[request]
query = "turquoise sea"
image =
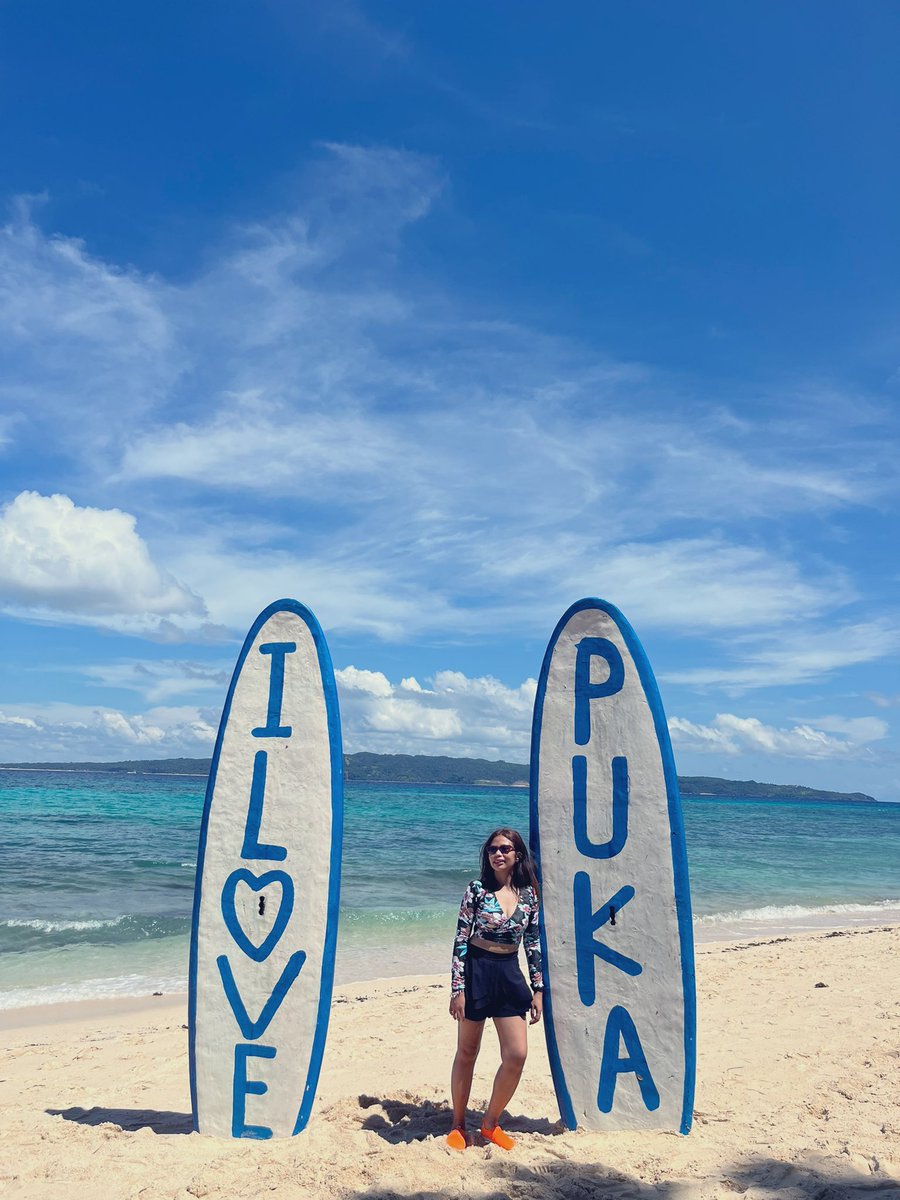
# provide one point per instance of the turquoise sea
(97, 877)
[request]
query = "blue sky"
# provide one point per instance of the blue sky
(439, 319)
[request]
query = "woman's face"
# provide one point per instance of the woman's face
(501, 853)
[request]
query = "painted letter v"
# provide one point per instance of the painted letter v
(251, 1030)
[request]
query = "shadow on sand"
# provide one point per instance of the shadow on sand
(400, 1121)
(129, 1119)
(769, 1178)
(817, 1177)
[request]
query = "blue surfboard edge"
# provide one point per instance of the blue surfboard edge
(679, 858)
(326, 983)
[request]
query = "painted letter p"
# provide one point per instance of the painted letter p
(590, 648)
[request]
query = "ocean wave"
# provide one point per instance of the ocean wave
(149, 863)
(60, 925)
(91, 989)
(781, 912)
(397, 916)
(24, 935)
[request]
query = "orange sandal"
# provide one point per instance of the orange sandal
(498, 1137)
(456, 1139)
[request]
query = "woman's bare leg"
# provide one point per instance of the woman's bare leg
(468, 1043)
(513, 1034)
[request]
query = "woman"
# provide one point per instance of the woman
(498, 911)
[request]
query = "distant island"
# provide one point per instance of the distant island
(705, 785)
(465, 772)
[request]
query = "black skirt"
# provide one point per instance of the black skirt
(495, 986)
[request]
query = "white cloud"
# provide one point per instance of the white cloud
(158, 680)
(21, 722)
(487, 691)
(723, 469)
(456, 715)
(86, 345)
(371, 683)
(92, 565)
(308, 454)
(793, 655)
(707, 583)
(405, 717)
(857, 729)
(8, 421)
(57, 559)
(704, 738)
(733, 735)
(91, 300)
(61, 732)
(801, 741)
(382, 184)
(303, 415)
(346, 595)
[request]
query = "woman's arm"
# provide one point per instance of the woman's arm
(461, 941)
(531, 939)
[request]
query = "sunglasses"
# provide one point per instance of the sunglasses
(492, 850)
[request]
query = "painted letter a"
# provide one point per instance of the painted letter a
(620, 1026)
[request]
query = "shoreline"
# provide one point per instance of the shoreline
(170, 1003)
(359, 964)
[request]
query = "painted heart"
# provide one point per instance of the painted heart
(259, 953)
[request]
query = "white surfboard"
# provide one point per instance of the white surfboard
(608, 838)
(268, 882)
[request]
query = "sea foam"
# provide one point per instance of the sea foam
(91, 989)
(780, 912)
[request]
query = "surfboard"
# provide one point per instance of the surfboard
(267, 890)
(608, 839)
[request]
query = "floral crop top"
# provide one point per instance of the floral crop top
(480, 915)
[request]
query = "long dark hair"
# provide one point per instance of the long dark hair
(523, 874)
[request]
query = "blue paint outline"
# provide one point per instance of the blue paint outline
(253, 848)
(256, 883)
(326, 983)
(587, 948)
(279, 652)
(620, 791)
(586, 651)
(252, 1030)
(679, 858)
(621, 1028)
(248, 1087)
(329, 949)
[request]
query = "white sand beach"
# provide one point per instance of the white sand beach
(798, 1090)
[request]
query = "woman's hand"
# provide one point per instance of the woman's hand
(537, 1007)
(458, 1006)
